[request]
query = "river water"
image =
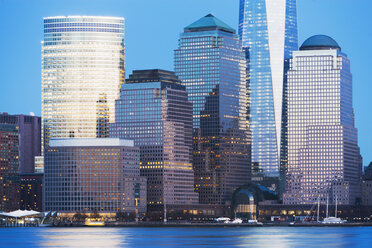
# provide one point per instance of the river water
(187, 237)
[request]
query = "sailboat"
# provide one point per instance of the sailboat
(332, 219)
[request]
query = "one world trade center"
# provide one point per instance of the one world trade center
(268, 29)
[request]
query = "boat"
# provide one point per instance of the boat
(255, 222)
(43, 223)
(333, 219)
(222, 219)
(234, 221)
(237, 221)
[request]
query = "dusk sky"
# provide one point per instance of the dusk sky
(152, 31)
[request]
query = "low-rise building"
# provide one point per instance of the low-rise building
(93, 175)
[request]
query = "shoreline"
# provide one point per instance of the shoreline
(223, 225)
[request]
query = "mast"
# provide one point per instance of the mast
(336, 208)
(327, 207)
(165, 208)
(317, 217)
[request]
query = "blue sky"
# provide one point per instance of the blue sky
(152, 30)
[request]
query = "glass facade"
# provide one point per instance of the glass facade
(211, 65)
(19, 144)
(154, 111)
(93, 175)
(10, 180)
(82, 70)
(323, 153)
(268, 30)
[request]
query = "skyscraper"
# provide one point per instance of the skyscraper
(268, 29)
(153, 110)
(9, 164)
(20, 137)
(82, 70)
(323, 154)
(211, 64)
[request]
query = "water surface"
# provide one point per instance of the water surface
(187, 237)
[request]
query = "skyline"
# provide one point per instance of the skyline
(21, 25)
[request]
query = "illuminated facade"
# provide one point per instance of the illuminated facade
(268, 29)
(89, 175)
(9, 165)
(82, 70)
(32, 192)
(323, 154)
(211, 64)
(153, 110)
(20, 137)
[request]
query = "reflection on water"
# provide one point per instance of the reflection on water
(183, 237)
(82, 237)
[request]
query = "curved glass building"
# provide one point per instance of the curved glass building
(82, 70)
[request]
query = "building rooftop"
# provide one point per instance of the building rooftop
(154, 75)
(90, 142)
(209, 22)
(78, 16)
(320, 42)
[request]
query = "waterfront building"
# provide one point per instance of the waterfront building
(367, 192)
(93, 175)
(367, 186)
(211, 64)
(9, 165)
(20, 137)
(247, 198)
(268, 30)
(29, 134)
(367, 175)
(154, 111)
(323, 155)
(82, 70)
(31, 193)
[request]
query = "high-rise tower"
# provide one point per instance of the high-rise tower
(211, 64)
(154, 111)
(82, 70)
(323, 155)
(268, 29)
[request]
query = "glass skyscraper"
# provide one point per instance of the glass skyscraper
(82, 70)
(268, 30)
(211, 64)
(154, 111)
(323, 155)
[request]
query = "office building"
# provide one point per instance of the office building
(82, 70)
(211, 64)
(93, 175)
(153, 110)
(29, 133)
(367, 175)
(268, 30)
(20, 137)
(323, 155)
(9, 165)
(31, 193)
(367, 186)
